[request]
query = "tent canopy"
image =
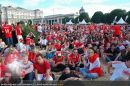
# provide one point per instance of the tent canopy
(121, 21)
(83, 22)
(70, 22)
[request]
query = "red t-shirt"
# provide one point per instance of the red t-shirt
(32, 41)
(42, 69)
(61, 59)
(74, 59)
(32, 57)
(77, 44)
(58, 46)
(2, 70)
(18, 30)
(7, 29)
(27, 41)
(59, 38)
(48, 38)
(117, 30)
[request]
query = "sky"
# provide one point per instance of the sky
(51, 7)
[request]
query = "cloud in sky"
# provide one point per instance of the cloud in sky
(51, 7)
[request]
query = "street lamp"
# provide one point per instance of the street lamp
(0, 17)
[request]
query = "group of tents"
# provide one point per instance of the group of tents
(83, 22)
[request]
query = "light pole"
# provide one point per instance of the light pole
(0, 23)
(0, 17)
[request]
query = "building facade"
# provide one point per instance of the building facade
(54, 18)
(57, 18)
(51, 19)
(16, 14)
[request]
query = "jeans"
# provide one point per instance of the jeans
(88, 75)
(9, 41)
(1, 49)
(29, 76)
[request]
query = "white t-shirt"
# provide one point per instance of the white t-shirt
(40, 29)
(21, 47)
(2, 44)
(118, 71)
(43, 41)
(126, 42)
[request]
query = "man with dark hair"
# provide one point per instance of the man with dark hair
(18, 31)
(42, 68)
(112, 53)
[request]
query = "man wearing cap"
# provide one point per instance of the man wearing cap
(58, 62)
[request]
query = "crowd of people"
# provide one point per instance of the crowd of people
(65, 52)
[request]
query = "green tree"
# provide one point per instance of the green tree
(29, 22)
(76, 20)
(97, 17)
(116, 12)
(105, 18)
(84, 16)
(66, 19)
(128, 20)
(22, 22)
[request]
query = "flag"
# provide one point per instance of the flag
(114, 21)
(126, 17)
(78, 19)
(115, 18)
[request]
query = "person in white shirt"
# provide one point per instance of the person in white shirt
(43, 42)
(39, 29)
(26, 68)
(121, 70)
(2, 45)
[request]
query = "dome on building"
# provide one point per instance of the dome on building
(82, 10)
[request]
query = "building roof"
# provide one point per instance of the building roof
(82, 10)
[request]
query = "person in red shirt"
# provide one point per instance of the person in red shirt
(42, 68)
(5, 75)
(18, 31)
(58, 46)
(7, 30)
(2, 69)
(58, 62)
(74, 60)
(32, 56)
(30, 43)
(117, 30)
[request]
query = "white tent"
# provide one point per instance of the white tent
(121, 21)
(83, 22)
(70, 22)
